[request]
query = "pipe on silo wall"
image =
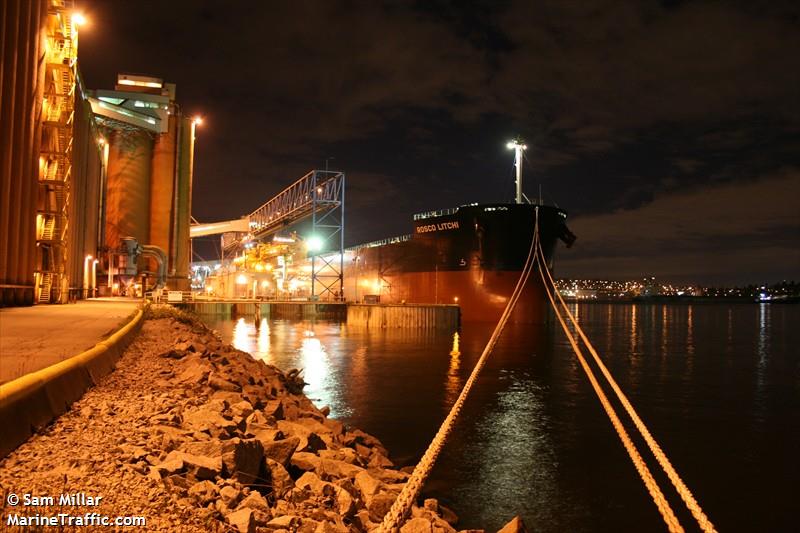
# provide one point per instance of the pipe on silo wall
(10, 29)
(21, 150)
(161, 189)
(86, 175)
(128, 186)
(184, 202)
(34, 93)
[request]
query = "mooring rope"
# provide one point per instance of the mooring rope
(402, 505)
(684, 492)
(647, 477)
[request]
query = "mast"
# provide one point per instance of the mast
(518, 146)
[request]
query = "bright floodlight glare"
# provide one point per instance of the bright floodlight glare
(314, 243)
(511, 145)
(198, 120)
(78, 19)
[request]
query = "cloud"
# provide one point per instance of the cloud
(734, 232)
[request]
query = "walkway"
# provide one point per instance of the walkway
(32, 338)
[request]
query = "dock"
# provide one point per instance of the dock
(423, 316)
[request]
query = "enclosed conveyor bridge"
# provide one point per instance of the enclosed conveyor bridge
(318, 195)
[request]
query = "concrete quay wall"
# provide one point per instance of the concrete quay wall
(426, 316)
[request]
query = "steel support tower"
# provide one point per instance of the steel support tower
(327, 225)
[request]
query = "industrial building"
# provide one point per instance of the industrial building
(95, 186)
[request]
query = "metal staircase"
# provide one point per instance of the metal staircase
(58, 110)
(45, 288)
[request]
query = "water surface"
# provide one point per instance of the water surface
(718, 385)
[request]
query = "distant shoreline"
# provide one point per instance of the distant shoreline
(682, 299)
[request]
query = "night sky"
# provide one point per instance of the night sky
(670, 131)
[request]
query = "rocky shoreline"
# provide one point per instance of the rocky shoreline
(195, 435)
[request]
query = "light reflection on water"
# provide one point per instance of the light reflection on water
(719, 386)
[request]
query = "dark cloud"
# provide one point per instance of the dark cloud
(620, 102)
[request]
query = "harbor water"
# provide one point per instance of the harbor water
(718, 385)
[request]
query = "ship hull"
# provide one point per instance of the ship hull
(472, 257)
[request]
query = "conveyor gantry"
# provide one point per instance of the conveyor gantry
(319, 195)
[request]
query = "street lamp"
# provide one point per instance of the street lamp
(518, 146)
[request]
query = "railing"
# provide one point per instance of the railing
(437, 213)
(381, 242)
(314, 190)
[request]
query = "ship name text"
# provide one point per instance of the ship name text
(437, 227)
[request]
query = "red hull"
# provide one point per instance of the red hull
(482, 295)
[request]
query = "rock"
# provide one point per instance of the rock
(285, 522)
(516, 525)
(279, 450)
(203, 492)
(280, 479)
(274, 408)
(379, 460)
(417, 525)
(367, 485)
(195, 370)
(431, 504)
(207, 419)
(228, 397)
(197, 466)
(311, 481)
(311, 443)
(345, 503)
(380, 504)
(208, 448)
(348, 455)
(229, 495)
(338, 469)
(254, 501)
(389, 476)
(305, 461)
(171, 466)
(326, 526)
(242, 408)
(215, 381)
(173, 354)
(242, 459)
(242, 520)
(362, 522)
(309, 525)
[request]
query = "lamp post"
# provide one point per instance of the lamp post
(86, 276)
(94, 278)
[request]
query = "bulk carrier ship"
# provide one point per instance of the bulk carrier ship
(471, 255)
